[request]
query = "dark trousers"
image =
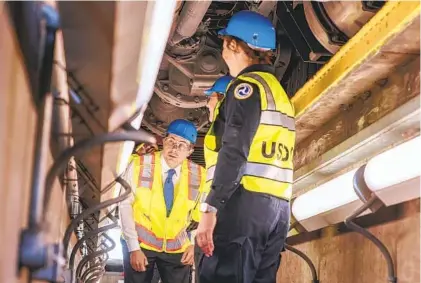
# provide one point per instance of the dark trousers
(249, 236)
(170, 268)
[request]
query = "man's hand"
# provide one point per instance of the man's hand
(204, 234)
(188, 256)
(138, 261)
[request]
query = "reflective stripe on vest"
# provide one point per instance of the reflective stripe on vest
(178, 242)
(271, 172)
(260, 170)
(147, 171)
(270, 116)
(195, 178)
(148, 237)
(210, 172)
(277, 119)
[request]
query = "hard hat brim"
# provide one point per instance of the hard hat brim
(223, 32)
(208, 92)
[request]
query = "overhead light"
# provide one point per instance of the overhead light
(393, 176)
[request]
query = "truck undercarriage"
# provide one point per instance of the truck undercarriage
(351, 69)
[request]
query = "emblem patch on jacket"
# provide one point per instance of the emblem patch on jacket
(243, 91)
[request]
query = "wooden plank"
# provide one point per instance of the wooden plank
(350, 258)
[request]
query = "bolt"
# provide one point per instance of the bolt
(179, 95)
(345, 107)
(165, 87)
(382, 82)
(159, 123)
(366, 95)
(151, 116)
(196, 99)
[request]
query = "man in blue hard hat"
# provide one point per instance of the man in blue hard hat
(155, 219)
(216, 93)
(248, 153)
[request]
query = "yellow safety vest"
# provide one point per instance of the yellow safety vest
(210, 149)
(269, 167)
(155, 230)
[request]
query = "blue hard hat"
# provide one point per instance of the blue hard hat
(252, 28)
(184, 129)
(220, 86)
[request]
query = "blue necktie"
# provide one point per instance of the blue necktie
(169, 191)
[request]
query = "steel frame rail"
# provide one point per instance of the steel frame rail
(390, 20)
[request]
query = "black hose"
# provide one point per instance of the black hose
(78, 244)
(93, 279)
(84, 238)
(93, 209)
(351, 225)
(84, 145)
(91, 234)
(94, 275)
(86, 259)
(92, 265)
(88, 271)
(306, 259)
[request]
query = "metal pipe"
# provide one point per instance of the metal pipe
(189, 20)
(265, 7)
(94, 255)
(44, 121)
(42, 143)
(306, 259)
(93, 209)
(351, 225)
(84, 145)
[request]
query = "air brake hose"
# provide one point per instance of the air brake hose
(83, 146)
(306, 259)
(92, 276)
(86, 275)
(351, 225)
(93, 209)
(86, 259)
(84, 238)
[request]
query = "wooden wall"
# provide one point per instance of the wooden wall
(17, 132)
(350, 258)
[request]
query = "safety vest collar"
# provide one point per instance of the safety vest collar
(258, 68)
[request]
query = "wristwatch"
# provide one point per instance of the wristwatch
(205, 208)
